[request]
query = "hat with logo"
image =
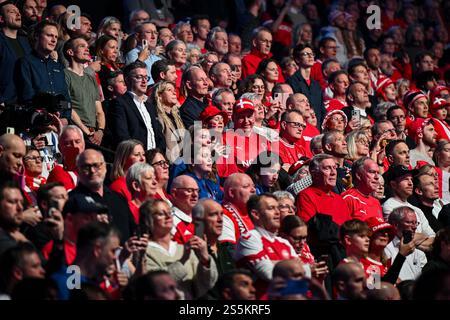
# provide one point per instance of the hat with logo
(377, 224)
(242, 105)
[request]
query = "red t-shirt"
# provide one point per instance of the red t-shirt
(120, 186)
(316, 74)
(67, 178)
(313, 200)
(362, 207)
(372, 268)
(289, 153)
(251, 61)
(334, 104)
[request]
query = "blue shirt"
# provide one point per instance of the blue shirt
(133, 55)
(60, 278)
(208, 188)
(36, 74)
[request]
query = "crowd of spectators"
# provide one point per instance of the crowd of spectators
(268, 150)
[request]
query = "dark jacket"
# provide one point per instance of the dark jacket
(312, 92)
(126, 122)
(35, 74)
(8, 58)
(190, 110)
(119, 213)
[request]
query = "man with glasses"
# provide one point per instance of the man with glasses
(147, 38)
(91, 168)
(184, 191)
(302, 82)
(291, 143)
(260, 50)
(404, 219)
(397, 116)
(132, 116)
(366, 177)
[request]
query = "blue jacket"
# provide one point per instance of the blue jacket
(35, 74)
(207, 188)
(8, 59)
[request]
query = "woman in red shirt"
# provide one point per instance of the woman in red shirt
(159, 162)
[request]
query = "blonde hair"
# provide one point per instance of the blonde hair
(157, 99)
(351, 140)
(123, 152)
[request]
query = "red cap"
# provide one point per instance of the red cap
(439, 103)
(212, 111)
(296, 166)
(376, 224)
(242, 105)
(329, 114)
(417, 126)
(383, 83)
(436, 91)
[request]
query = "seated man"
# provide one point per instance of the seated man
(261, 248)
(334, 144)
(349, 281)
(404, 219)
(237, 285)
(237, 191)
(366, 178)
(424, 135)
(319, 198)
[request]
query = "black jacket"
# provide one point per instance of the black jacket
(312, 92)
(126, 122)
(190, 110)
(119, 213)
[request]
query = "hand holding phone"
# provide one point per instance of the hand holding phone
(407, 236)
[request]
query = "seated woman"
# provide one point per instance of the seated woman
(335, 120)
(202, 170)
(295, 231)
(357, 145)
(128, 153)
(268, 69)
(265, 171)
(191, 266)
(286, 203)
(159, 162)
(32, 162)
(164, 98)
(141, 182)
(214, 119)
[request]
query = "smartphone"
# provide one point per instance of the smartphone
(407, 236)
(323, 258)
(52, 206)
(138, 232)
(198, 216)
(144, 43)
(356, 114)
(10, 130)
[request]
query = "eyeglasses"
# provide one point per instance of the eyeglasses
(337, 119)
(389, 130)
(287, 207)
(140, 78)
(162, 163)
(189, 190)
(307, 54)
(297, 124)
(86, 168)
(298, 239)
(35, 159)
(434, 175)
(412, 223)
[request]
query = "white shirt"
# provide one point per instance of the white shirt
(151, 144)
(415, 155)
(412, 267)
(423, 227)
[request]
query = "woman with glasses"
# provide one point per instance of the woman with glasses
(335, 120)
(265, 171)
(190, 265)
(358, 145)
(32, 163)
(254, 84)
(201, 169)
(159, 162)
(164, 98)
(128, 153)
(286, 203)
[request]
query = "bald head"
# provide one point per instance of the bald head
(238, 188)
(298, 102)
(289, 269)
(387, 291)
(12, 151)
(185, 193)
(349, 281)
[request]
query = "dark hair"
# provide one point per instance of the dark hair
(353, 227)
(70, 44)
(143, 287)
(424, 77)
(40, 26)
(263, 65)
(247, 83)
(391, 110)
(367, 50)
(354, 64)
(151, 154)
(324, 40)
(131, 67)
(160, 66)
(299, 48)
(89, 234)
(264, 160)
(8, 185)
(391, 146)
(35, 289)
(43, 193)
(291, 222)
(429, 284)
(226, 280)
(255, 201)
(195, 19)
(422, 55)
(332, 77)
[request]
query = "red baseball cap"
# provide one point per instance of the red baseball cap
(376, 224)
(439, 103)
(436, 91)
(416, 126)
(296, 166)
(243, 105)
(212, 111)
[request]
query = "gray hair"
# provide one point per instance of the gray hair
(212, 34)
(140, 26)
(357, 166)
(179, 26)
(215, 68)
(71, 127)
(217, 95)
(135, 173)
(251, 96)
(381, 110)
(329, 137)
(280, 195)
(316, 140)
(398, 214)
(314, 165)
(172, 44)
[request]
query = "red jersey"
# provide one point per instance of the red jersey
(334, 104)
(316, 74)
(442, 129)
(68, 178)
(373, 269)
(183, 228)
(313, 200)
(259, 250)
(362, 207)
(251, 61)
(235, 223)
(289, 153)
(306, 256)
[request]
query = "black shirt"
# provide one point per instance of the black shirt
(435, 224)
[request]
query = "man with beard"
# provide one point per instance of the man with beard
(12, 47)
(217, 41)
(220, 74)
(30, 12)
(38, 72)
(373, 60)
(366, 177)
(87, 110)
(334, 144)
(424, 134)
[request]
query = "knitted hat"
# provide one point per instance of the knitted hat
(411, 97)
(331, 113)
